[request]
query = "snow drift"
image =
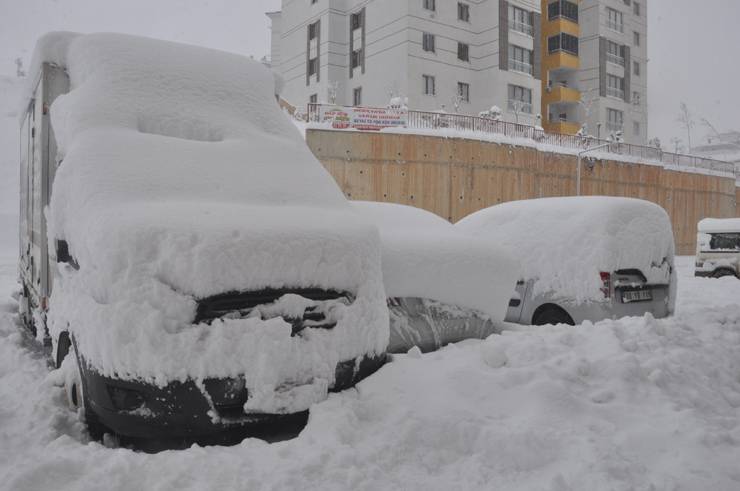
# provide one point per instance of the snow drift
(565, 242)
(719, 225)
(424, 256)
(181, 179)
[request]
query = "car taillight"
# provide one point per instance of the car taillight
(606, 284)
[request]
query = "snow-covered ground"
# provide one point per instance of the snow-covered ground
(631, 404)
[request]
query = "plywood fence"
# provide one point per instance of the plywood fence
(454, 177)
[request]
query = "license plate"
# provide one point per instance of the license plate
(637, 296)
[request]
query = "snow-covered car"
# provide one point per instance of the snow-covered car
(442, 286)
(718, 248)
(197, 270)
(583, 258)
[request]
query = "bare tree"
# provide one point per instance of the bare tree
(677, 144)
(588, 99)
(687, 121)
(331, 92)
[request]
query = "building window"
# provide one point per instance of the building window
(521, 21)
(313, 98)
(520, 99)
(563, 42)
(463, 12)
(614, 120)
(520, 59)
(355, 20)
(356, 58)
(636, 68)
(429, 5)
(463, 90)
(429, 88)
(614, 53)
(636, 8)
(313, 66)
(636, 128)
(615, 86)
(357, 96)
(636, 38)
(427, 42)
(563, 8)
(614, 20)
(463, 52)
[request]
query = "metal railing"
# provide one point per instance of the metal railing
(615, 92)
(615, 26)
(520, 66)
(521, 27)
(615, 59)
(475, 124)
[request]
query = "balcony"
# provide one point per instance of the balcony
(521, 27)
(614, 59)
(520, 66)
(614, 26)
(562, 127)
(561, 94)
(615, 92)
(560, 60)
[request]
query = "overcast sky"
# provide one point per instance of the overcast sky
(694, 47)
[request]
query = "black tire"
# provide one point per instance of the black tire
(77, 400)
(722, 272)
(551, 314)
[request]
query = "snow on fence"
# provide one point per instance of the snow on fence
(461, 122)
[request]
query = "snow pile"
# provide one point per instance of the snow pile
(182, 179)
(565, 242)
(719, 225)
(424, 256)
(633, 404)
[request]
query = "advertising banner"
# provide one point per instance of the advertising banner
(363, 118)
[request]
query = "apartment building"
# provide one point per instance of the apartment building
(463, 56)
(574, 62)
(599, 82)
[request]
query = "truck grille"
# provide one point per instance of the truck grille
(236, 305)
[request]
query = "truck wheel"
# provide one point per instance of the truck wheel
(551, 314)
(719, 273)
(75, 391)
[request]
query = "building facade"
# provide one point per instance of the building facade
(440, 54)
(548, 61)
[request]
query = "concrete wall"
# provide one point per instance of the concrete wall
(455, 177)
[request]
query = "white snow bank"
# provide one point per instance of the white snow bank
(632, 404)
(719, 225)
(424, 256)
(181, 179)
(565, 242)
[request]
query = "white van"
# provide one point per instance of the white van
(192, 265)
(583, 258)
(718, 248)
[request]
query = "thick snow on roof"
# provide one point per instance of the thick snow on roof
(181, 178)
(566, 242)
(719, 225)
(425, 257)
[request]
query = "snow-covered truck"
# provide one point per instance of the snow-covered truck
(718, 248)
(193, 267)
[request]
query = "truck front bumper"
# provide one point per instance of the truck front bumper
(211, 410)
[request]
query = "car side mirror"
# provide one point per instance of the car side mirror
(63, 255)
